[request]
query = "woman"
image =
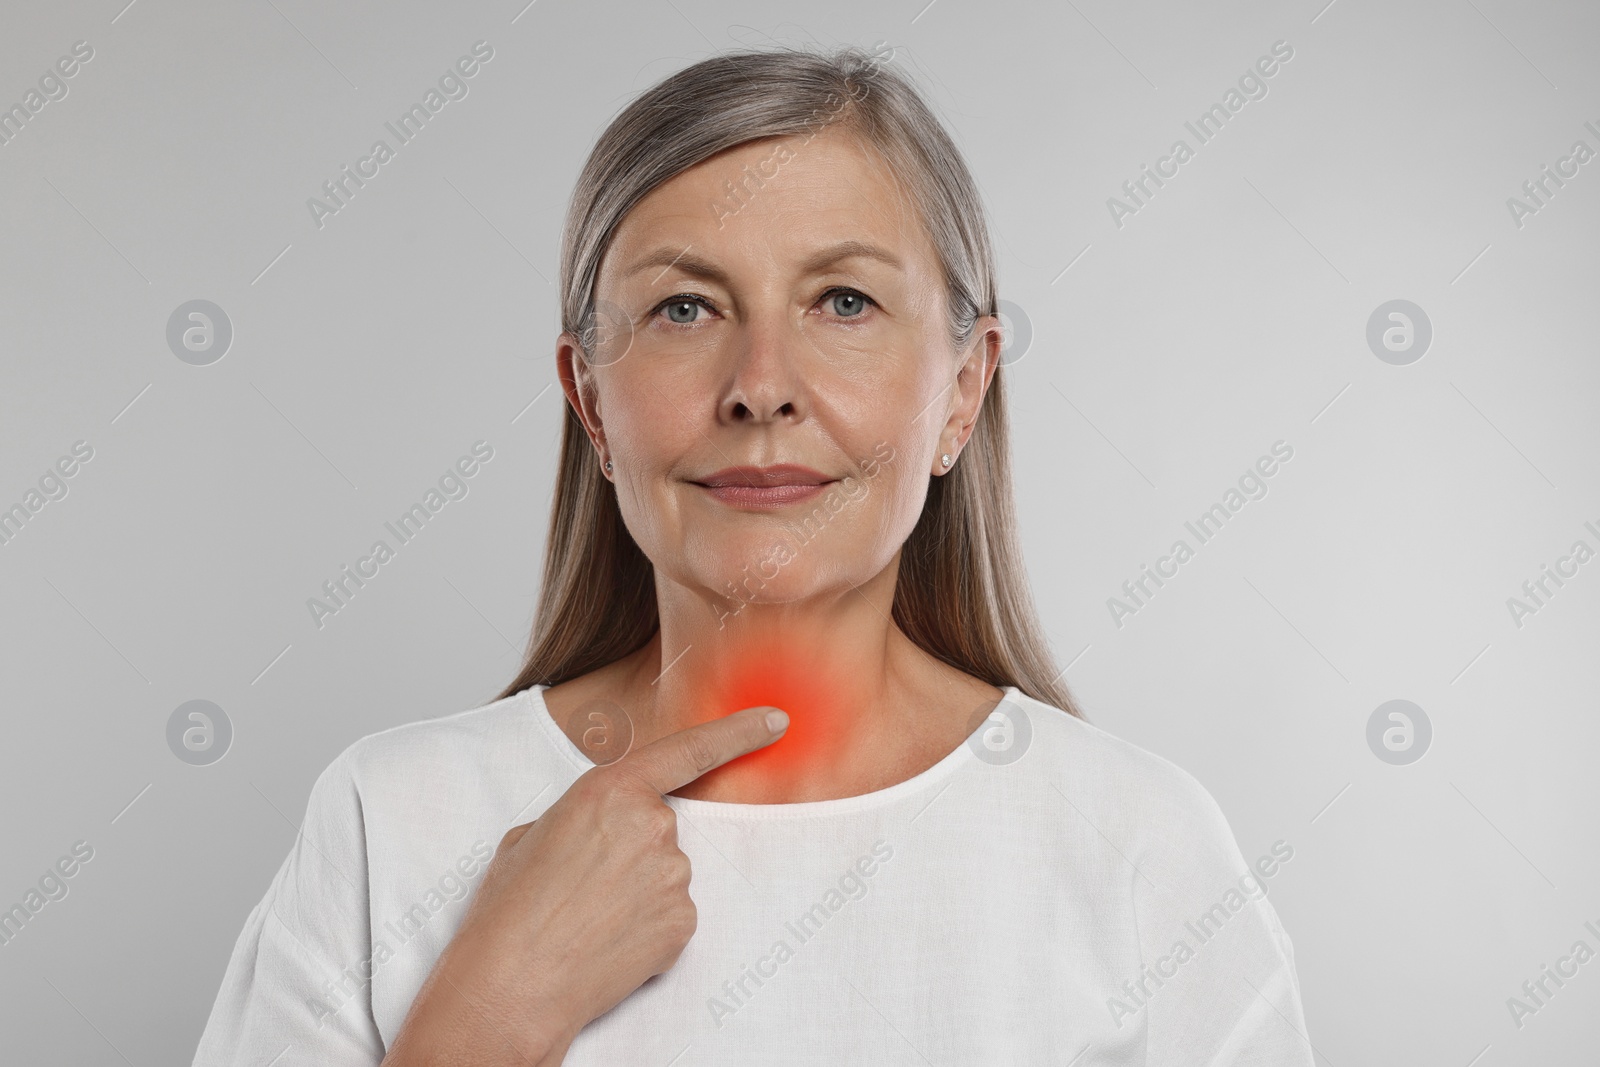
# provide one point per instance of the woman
(787, 776)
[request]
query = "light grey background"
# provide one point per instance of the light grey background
(1167, 355)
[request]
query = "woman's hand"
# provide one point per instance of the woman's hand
(577, 909)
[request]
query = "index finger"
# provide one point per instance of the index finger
(674, 761)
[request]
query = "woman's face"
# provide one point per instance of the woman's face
(801, 321)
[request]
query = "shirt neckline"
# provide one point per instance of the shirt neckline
(914, 786)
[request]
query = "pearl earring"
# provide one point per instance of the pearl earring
(945, 459)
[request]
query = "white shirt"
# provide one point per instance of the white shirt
(1045, 891)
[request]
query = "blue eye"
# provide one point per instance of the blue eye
(681, 309)
(848, 298)
(848, 304)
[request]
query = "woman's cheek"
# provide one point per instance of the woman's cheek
(888, 497)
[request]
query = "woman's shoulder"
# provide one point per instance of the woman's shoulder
(1090, 749)
(1114, 782)
(497, 747)
(440, 736)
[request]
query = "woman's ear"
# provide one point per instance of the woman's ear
(978, 364)
(578, 383)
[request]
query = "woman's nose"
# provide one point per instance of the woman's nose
(766, 382)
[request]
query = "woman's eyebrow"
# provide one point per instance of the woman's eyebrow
(849, 249)
(667, 257)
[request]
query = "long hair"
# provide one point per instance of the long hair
(961, 593)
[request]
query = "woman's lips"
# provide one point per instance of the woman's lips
(765, 487)
(764, 496)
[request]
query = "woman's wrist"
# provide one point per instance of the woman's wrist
(457, 1019)
(443, 1035)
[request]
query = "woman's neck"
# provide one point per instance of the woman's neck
(867, 707)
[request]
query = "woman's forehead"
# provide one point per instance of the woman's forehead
(788, 201)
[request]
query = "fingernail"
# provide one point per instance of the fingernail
(777, 721)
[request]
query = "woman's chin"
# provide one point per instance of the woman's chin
(750, 588)
(752, 575)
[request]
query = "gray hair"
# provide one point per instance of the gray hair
(961, 593)
(732, 99)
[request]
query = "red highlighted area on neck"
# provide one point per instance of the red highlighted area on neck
(761, 670)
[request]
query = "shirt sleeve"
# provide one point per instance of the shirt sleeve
(296, 990)
(1218, 986)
